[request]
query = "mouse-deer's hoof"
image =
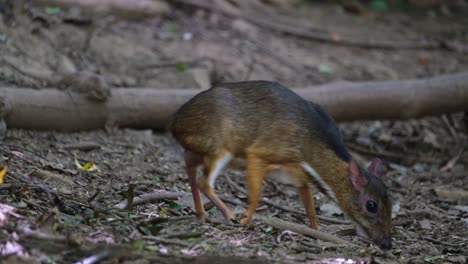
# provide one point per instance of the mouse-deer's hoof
(246, 220)
(201, 218)
(229, 215)
(240, 219)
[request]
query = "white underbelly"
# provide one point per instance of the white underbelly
(283, 176)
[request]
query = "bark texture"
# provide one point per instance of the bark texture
(52, 109)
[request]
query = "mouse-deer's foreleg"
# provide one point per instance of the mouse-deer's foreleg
(308, 199)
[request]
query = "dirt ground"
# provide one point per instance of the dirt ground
(67, 213)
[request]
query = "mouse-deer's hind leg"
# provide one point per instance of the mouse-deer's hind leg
(214, 165)
(192, 161)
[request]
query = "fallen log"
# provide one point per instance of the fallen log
(51, 109)
(402, 99)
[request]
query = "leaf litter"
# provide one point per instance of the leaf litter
(56, 207)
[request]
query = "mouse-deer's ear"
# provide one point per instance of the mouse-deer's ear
(375, 167)
(359, 181)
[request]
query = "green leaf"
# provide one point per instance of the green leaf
(156, 179)
(267, 245)
(431, 259)
(50, 260)
(52, 10)
(138, 244)
(174, 205)
(181, 67)
(151, 248)
(267, 229)
(379, 5)
(113, 219)
(323, 68)
(214, 209)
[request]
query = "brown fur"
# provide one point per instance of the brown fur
(270, 127)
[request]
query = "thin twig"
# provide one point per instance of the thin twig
(439, 242)
(428, 212)
(450, 127)
(48, 175)
(24, 149)
(166, 241)
(392, 155)
(174, 212)
(11, 186)
(230, 201)
(130, 197)
(224, 223)
(84, 146)
(185, 235)
(305, 230)
(32, 234)
(441, 211)
(90, 199)
(151, 197)
(179, 218)
(451, 163)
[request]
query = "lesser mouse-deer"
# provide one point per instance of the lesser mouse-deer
(272, 127)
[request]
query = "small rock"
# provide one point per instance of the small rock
(419, 167)
(395, 208)
(364, 141)
(245, 27)
(187, 36)
(425, 224)
(65, 65)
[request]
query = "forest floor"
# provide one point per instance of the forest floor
(66, 213)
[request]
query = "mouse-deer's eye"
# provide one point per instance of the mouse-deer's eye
(371, 206)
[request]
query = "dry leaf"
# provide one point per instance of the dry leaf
(3, 171)
(89, 166)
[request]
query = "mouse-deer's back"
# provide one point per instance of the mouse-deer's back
(233, 116)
